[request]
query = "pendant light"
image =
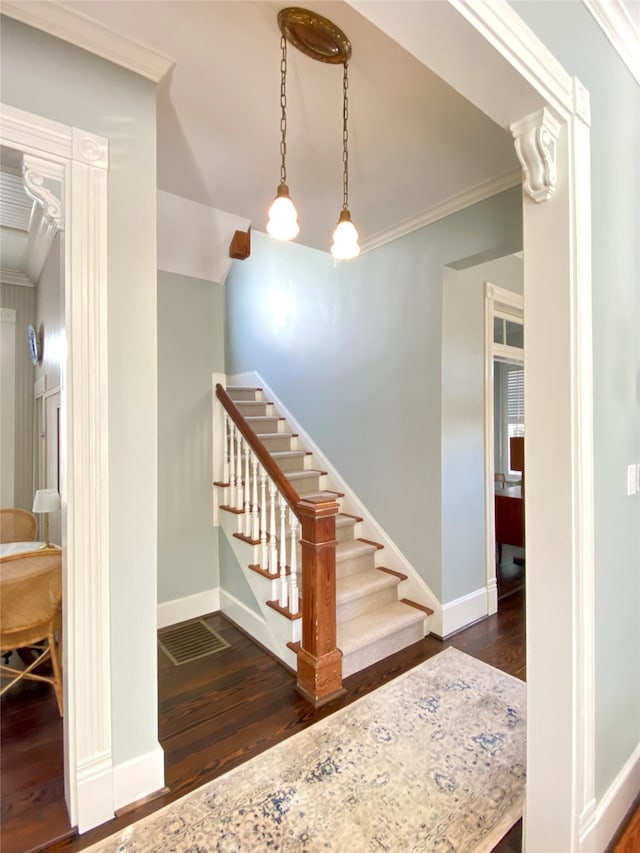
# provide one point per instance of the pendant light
(319, 38)
(345, 238)
(283, 216)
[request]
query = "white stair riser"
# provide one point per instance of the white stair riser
(381, 648)
(359, 606)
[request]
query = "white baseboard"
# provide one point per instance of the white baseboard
(94, 794)
(247, 619)
(463, 611)
(135, 779)
(612, 809)
(189, 607)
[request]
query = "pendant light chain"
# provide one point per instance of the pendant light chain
(283, 108)
(345, 138)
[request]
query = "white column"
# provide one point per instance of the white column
(225, 464)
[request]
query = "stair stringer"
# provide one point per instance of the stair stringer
(276, 631)
(414, 587)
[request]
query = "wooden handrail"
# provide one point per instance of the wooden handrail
(282, 483)
(319, 675)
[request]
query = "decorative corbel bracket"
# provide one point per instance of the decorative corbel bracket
(44, 183)
(535, 138)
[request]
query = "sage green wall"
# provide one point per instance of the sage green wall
(190, 349)
(51, 78)
(354, 351)
(232, 579)
(463, 367)
(574, 37)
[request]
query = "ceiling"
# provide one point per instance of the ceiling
(414, 142)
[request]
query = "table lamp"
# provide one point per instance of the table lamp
(46, 501)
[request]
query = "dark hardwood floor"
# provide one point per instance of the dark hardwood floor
(214, 714)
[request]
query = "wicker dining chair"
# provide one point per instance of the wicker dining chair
(17, 525)
(31, 615)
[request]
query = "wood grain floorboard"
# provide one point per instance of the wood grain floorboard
(214, 714)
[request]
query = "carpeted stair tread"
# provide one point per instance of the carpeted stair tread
(279, 455)
(301, 475)
(363, 583)
(366, 629)
(353, 548)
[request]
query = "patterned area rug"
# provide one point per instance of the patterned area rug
(433, 761)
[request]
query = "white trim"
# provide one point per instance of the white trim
(189, 607)
(85, 463)
(250, 621)
(620, 29)
(453, 204)
(72, 26)
(463, 611)
(414, 587)
(139, 777)
(498, 301)
(15, 277)
(614, 806)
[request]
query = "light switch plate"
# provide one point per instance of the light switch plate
(632, 473)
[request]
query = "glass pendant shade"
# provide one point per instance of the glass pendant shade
(345, 239)
(283, 216)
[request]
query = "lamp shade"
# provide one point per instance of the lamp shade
(283, 216)
(46, 500)
(345, 239)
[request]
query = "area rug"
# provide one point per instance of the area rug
(433, 761)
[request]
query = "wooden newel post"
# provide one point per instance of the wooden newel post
(319, 661)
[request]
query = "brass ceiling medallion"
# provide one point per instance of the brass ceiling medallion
(314, 35)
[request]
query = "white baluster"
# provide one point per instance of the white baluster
(232, 463)
(239, 490)
(247, 489)
(284, 591)
(255, 509)
(273, 553)
(293, 564)
(264, 549)
(225, 464)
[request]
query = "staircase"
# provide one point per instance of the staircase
(373, 619)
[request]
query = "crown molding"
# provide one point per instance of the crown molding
(453, 204)
(620, 29)
(65, 23)
(14, 277)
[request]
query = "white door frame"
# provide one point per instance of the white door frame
(513, 78)
(495, 299)
(66, 173)
(486, 52)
